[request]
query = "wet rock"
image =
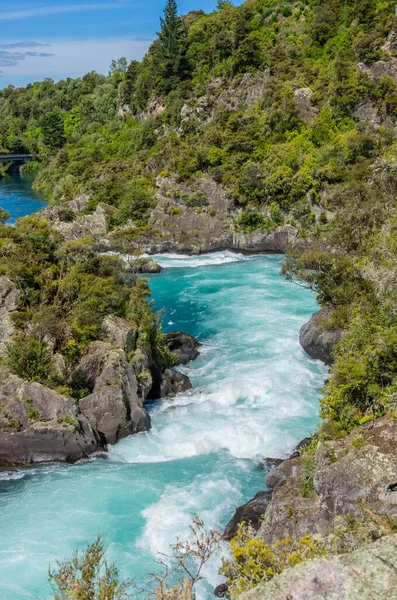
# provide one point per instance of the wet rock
(174, 383)
(316, 339)
(250, 513)
(366, 574)
(221, 591)
(119, 332)
(184, 346)
(144, 265)
(39, 425)
(268, 464)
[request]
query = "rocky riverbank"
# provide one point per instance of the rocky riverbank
(343, 490)
(39, 424)
(187, 232)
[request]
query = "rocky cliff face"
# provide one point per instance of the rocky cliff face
(37, 424)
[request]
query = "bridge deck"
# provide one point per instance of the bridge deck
(15, 157)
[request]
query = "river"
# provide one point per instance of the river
(255, 394)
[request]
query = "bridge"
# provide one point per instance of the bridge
(9, 157)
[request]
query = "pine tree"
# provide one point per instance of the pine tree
(170, 48)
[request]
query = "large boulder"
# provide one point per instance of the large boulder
(173, 383)
(318, 339)
(39, 425)
(366, 574)
(184, 346)
(114, 407)
(144, 265)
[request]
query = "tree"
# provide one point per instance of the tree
(221, 4)
(87, 576)
(118, 66)
(169, 49)
(53, 129)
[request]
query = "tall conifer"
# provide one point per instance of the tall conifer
(169, 53)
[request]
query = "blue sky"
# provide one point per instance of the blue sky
(67, 38)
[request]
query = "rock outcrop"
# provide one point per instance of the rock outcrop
(318, 337)
(144, 265)
(173, 383)
(366, 574)
(350, 476)
(39, 425)
(183, 346)
(303, 99)
(120, 332)
(73, 224)
(250, 513)
(114, 407)
(9, 299)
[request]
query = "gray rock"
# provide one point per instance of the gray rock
(380, 68)
(303, 99)
(184, 346)
(144, 265)
(39, 425)
(173, 383)
(250, 513)
(317, 340)
(9, 300)
(94, 225)
(113, 415)
(119, 332)
(350, 475)
(366, 574)
(114, 408)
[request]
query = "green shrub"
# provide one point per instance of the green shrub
(29, 358)
(254, 562)
(250, 220)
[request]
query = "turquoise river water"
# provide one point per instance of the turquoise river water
(255, 394)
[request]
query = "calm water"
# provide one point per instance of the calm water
(18, 198)
(255, 394)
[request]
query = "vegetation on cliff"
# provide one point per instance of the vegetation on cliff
(66, 289)
(290, 107)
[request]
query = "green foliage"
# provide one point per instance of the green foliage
(250, 220)
(87, 575)
(29, 357)
(308, 453)
(169, 49)
(254, 562)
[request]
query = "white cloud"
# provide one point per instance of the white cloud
(75, 58)
(54, 10)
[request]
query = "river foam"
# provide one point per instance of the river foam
(255, 393)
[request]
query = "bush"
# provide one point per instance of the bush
(250, 220)
(254, 562)
(29, 358)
